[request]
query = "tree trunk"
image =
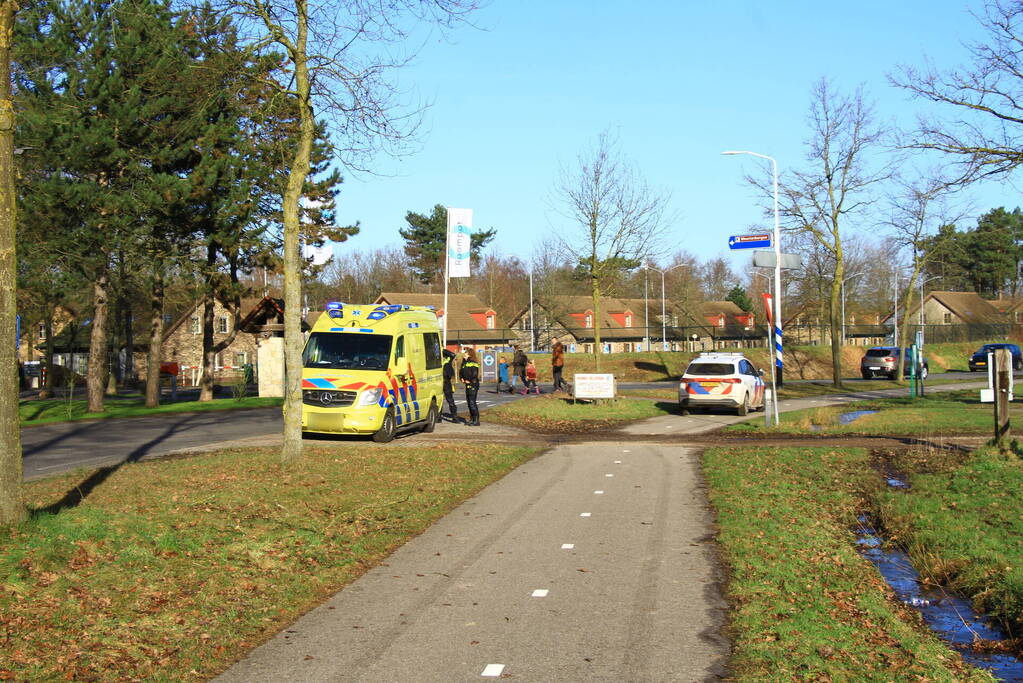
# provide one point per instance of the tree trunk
(904, 322)
(208, 354)
(597, 349)
(291, 450)
(12, 506)
(96, 375)
(129, 347)
(836, 324)
(154, 357)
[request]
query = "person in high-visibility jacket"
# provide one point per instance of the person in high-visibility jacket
(449, 378)
(470, 373)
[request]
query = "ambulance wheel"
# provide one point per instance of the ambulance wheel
(387, 429)
(431, 418)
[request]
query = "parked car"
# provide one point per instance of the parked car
(883, 361)
(978, 361)
(725, 380)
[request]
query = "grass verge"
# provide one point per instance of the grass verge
(951, 413)
(962, 524)
(168, 570)
(555, 415)
(45, 411)
(806, 606)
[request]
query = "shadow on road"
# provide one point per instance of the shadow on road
(81, 491)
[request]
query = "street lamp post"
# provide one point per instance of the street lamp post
(664, 327)
(779, 364)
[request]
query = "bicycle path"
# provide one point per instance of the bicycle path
(592, 562)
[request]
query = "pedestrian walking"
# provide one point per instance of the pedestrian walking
(471, 379)
(558, 365)
(531, 379)
(449, 377)
(519, 362)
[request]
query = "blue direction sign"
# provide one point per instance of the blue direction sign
(749, 241)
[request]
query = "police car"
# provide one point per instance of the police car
(725, 380)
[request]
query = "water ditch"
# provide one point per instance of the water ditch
(846, 418)
(951, 617)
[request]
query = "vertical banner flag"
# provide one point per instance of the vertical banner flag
(459, 241)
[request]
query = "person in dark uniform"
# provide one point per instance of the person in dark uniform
(471, 378)
(449, 392)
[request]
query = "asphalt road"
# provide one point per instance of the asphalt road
(56, 448)
(51, 449)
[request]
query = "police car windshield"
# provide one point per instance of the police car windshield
(347, 351)
(711, 369)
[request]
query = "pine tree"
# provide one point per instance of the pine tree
(425, 239)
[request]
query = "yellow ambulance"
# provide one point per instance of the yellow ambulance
(372, 370)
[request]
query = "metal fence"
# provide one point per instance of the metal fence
(705, 337)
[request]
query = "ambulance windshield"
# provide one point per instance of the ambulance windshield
(347, 351)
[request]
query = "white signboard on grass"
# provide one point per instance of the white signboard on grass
(594, 386)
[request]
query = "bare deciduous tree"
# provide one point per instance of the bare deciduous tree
(985, 133)
(836, 185)
(916, 210)
(336, 63)
(614, 219)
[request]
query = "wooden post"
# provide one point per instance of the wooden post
(1003, 368)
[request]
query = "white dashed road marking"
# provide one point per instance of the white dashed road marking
(567, 546)
(597, 493)
(540, 593)
(585, 514)
(493, 670)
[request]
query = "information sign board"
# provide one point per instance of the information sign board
(594, 386)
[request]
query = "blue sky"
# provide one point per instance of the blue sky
(678, 82)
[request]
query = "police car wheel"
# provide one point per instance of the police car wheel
(743, 408)
(431, 418)
(387, 429)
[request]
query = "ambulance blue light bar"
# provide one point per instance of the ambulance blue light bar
(335, 309)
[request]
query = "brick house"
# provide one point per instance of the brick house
(571, 319)
(182, 344)
(470, 323)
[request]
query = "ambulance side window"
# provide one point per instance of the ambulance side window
(399, 348)
(431, 341)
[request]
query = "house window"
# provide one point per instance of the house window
(628, 321)
(589, 320)
(721, 321)
(222, 324)
(490, 322)
(1019, 316)
(947, 318)
(241, 359)
(42, 330)
(195, 325)
(166, 318)
(674, 320)
(218, 361)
